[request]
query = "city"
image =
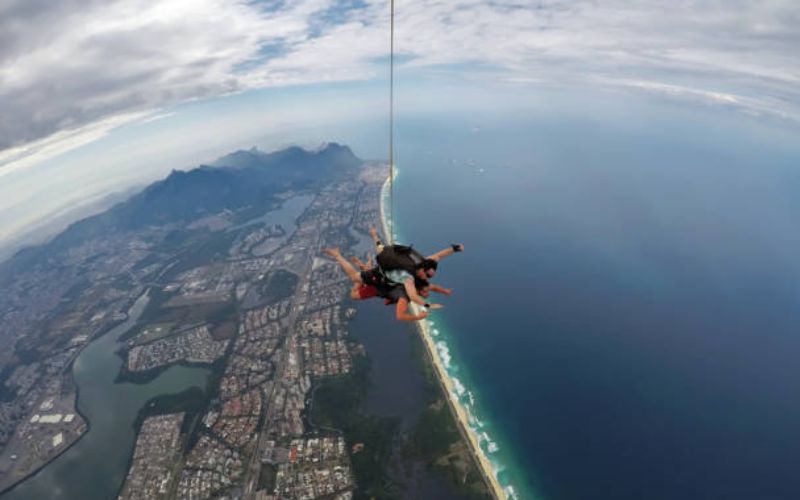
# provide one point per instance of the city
(253, 435)
(267, 312)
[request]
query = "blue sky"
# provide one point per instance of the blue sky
(99, 95)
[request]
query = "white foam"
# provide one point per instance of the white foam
(510, 493)
(458, 386)
(444, 353)
(491, 446)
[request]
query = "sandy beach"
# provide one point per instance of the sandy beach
(459, 413)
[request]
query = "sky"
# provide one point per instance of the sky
(97, 96)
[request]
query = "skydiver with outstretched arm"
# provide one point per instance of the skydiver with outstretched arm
(403, 265)
(430, 287)
(441, 254)
(436, 257)
(369, 283)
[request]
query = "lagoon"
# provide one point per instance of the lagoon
(95, 467)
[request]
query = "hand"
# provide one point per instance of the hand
(447, 291)
(459, 247)
(433, 307)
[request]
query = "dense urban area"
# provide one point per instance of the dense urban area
(248, 296)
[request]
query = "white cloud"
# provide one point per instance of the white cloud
(755, 106)
(124, 56)
(34, 152)
(70, 70)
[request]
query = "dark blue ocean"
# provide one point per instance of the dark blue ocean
(626, 316)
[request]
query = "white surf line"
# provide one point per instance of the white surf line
(459, 412)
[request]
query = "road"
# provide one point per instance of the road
(289, 322)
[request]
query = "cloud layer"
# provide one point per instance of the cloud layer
(70, 70)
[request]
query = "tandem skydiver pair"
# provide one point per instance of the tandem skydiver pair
(402, 275)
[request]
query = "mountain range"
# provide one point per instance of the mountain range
(242, 179)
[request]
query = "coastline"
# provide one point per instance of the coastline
(457, 409)
(38, 469)
(32, 486)
(87, 424)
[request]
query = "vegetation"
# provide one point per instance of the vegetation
(266, 477)
(199, 250)
(277, 285)
(156, 298)
(6, 393)
(435, 432)
(215, 313)
(337, 403)
(193, 401)
(436, 439)
(221, 313)
(224, 330)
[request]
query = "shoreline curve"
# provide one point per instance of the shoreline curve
(456, 408)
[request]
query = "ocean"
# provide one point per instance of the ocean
(625, 318)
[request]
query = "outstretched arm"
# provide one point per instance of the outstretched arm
(415, 297)
(376, 239)
(402, 314)
(440, 289)
(412, 293)
(441, 254)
